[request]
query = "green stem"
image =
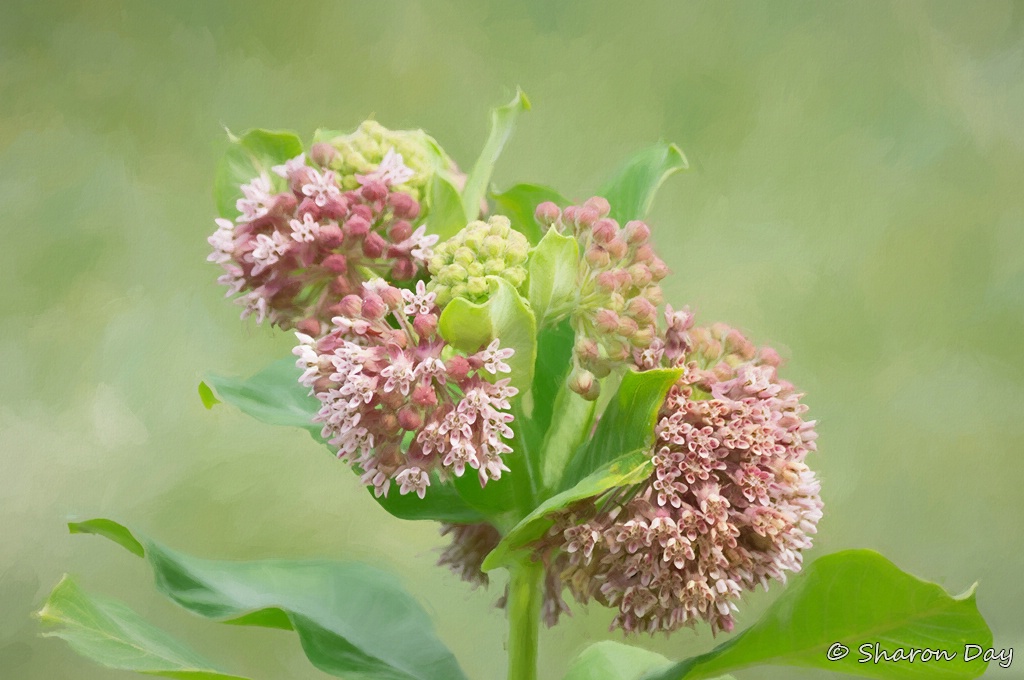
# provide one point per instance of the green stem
(524, 602)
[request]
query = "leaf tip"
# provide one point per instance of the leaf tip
(522, 99)
(207, 396)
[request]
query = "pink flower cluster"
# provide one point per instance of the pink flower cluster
(292, 254)
(729, 504)
(615, 311)
(397, 401)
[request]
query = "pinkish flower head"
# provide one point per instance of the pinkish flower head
(391, 405)
(293, 254)
(729, 504)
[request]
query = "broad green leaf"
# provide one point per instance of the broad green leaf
(109, 529)
(854, 598)
(503, 120)
(575, 417)
(470, 326)
(255, 152)
(631, 192)
(519, 203)
(554, 274)
(447, 215)
(627, 423)
(629, 469)
(274, 396)
(608, 660)
(112, 635)
(352, 620)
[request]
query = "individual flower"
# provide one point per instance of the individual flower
(293, 254)
(460, 265)
(729, 503)
(614, 310)
(397, 401)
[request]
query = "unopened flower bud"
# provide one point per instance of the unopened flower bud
(391, 295)
(335, 263)
(357, 226)
(617, 247)
(404, 205)
(424, 395)
(410, 418)
(351, 305)
(599, 204)
(627, 327)
(640, 275)
(607, 281)
(425, 325)
(373, 245)
(399, 231)
(331, 236)
(323, 154)
(605, 230)
(546, 213)
(642, 309)
(374, 308)
(403, 269)
(583, 383)
(636, 232)
(586, 349)
(310, 326)
(606, 321)
(457, 367)
(598, 257)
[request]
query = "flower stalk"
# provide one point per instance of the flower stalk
(524, 604)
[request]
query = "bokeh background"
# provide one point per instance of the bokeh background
(856, 198)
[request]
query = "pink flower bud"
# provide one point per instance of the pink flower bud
(374, 191)
(598, 257)
(335, 208)
(403, 269)
(659, 270)
(322, 154)
(587, 217)
(770, 357)
(351, 306)
(425, 325)
(391, 296)
(637, 233)
(331, 236)
(627, 327)
(336, 263)
(645, 336)
(617, 247)
(618, 350)
(587, 349)
(642, 309)
(546, 213)
(599, 204)
(605, 230)
(458, 368)
(374, 308)
(607, 281)
(570, 215)
(399, 231)
(357, 226)
(644, 253)
(404, 205)
(362, 210)
(606, 321)
(424, 395)
(583, 383)
(410, 418)
(310, 327)
(640, 275)
(374, 245)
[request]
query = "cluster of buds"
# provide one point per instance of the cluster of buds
(364, 150)
(293, 254)
(729, 505)
(397, 401)
(460, 265)
(615, 312)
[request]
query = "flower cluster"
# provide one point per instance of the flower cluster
(363, 151)
(293, 254)
(614, 313)
(729, 504)
(397, 401)
(460, 265)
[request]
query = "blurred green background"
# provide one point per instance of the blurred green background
(856, 199)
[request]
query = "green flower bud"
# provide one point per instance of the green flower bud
(492, 248)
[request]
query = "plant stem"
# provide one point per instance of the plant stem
(524, 602)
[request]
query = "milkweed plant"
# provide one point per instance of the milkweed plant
(505, 363)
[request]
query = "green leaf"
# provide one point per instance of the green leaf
(855, 598)
(610, 660)
(471, 326)
(109, 529)
(554, 273)
(447, 214)
(519, 203)
(207, 396)
(631, 192)
(629, 469)
(503, 120)
(274, 396)
(352, 620)
(111, 634)
(255, 152)
(628, 421)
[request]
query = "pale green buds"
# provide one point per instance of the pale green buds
(460, 266)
